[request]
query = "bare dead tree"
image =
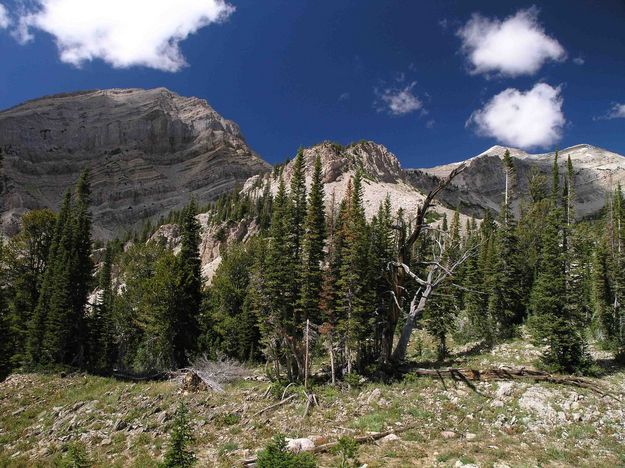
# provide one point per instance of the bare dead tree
(397, 275)
(438, 269)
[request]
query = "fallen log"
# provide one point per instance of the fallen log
(359, 439)
(275, 405)
(507, 373)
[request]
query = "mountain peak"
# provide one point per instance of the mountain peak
(149, 151)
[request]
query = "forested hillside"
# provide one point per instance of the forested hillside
(315, 282)
(318, 294)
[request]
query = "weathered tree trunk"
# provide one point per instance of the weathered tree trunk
(396, 277)
(416, 310)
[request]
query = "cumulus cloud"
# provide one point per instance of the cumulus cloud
(617, 111)
(523, 119)
(515, 46)
(398, 100)
(4, 17)
(123, 33)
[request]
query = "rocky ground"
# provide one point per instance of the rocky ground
(495, 424)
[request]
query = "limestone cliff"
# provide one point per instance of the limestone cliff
(481, 185)
(149, 152)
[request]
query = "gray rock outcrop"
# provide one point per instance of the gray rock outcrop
(149, 152)
(481, 185)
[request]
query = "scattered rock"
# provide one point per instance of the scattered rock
(459, 464)
(505, 389)
(120, 425)
(107, 441)
(374, 396)
(470, 436)
(162, 417)
(390, 438)
(448, 434)
(300, 445)
(318, 440)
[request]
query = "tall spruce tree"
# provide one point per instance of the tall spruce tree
(102, 343)
(313, 245)
(551, 322)
(277, 328)
(37, 324)
(59, 332)
(26, 257)
(506, 302)
(6, 339)
(382, 251)
(189, 286)
(353, 295)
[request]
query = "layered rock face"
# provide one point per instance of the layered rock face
(149, 152)
(481, 185)
(382, 175)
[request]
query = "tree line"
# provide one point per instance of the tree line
(316, 281)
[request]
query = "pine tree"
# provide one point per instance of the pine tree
(382, 251)
(102, 341)
(26, 257)
(189, 286)
(178, 454)
(277, 289)
(479, 281)
(506, 302)
(550, 321)
(313, 245)
(234, 327)
(6, 338)
(353, 296)
(37, 324)
(81, 266)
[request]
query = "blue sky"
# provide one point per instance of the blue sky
(434, 81)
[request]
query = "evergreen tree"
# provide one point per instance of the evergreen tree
(313, 245)
(353, 296)
(6, 339)
(550, 321)
(26, 257)
(479, 280)
(233, 325)
(189, 287)
(102, 341)
(58, 332)
(382, 251)
(178, 454)
(506, 301)
(277, 327)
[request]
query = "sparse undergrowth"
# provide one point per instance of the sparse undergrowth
(80, 420)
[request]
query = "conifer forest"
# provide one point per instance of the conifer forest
(316, 284)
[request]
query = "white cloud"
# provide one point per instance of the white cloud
(515, 46)
(522, 119)
(579, 61)
(344, 97)
(123, 33)
(4, 17)
(617, 111)
(398, 101)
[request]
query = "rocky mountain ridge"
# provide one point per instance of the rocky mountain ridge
(481, 185)
(149, 152)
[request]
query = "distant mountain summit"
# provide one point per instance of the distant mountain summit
(149, 152)
(481, 185)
